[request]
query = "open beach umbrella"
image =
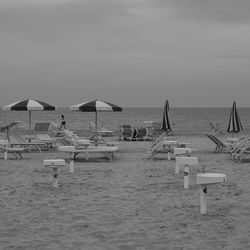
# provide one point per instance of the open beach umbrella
(234, 125)
(166, 121)
(96, 106)
(29, 105)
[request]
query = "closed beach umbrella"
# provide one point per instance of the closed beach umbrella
(166, 121)
(96, 106)
(234, 125)
(29, 105)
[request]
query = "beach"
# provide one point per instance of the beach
(130, 203)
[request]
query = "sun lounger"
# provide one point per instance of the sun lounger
(126, 132)
(220, 146)
(139, 134)
(215, 128)
(108, 151)
(18, 140)
(6, 148)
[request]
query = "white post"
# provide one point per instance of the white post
(203, 192)
(71, 163)
(5, 155)
(169, 156)
(55, 178)
(177, 168)
(186, 176)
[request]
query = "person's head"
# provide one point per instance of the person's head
(62, 116)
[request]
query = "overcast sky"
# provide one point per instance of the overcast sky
(133, 53)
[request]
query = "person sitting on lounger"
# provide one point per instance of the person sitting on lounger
(63, 123)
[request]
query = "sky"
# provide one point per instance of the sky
(133, 53)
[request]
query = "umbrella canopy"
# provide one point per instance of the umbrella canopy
(234, 125)
(29, 105)
(96, 106)
(166, 121)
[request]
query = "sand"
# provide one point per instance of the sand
(130, 203)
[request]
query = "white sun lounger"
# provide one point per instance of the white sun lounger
(108, 151)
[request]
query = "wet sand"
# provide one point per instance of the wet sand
(128, 204)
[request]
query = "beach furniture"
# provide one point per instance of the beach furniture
(42, 127)
(54, 128)
(18, 140)
(126, 132)
(205, 179)
(186, 162)
(242, 151)
(215, 128)
(108, 151)
(6, 148)
(54, 164)
(41, 134)
(139, 134)
(178, 152)
(220, 146)
(169, 145)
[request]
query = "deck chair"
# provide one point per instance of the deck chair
(54, 128)
(42, 135)
(126, 132)
(42, 127)
(18, 140)
(215, 128)
(157, 146)
(139, 134)
(242, 150)
(6, 148)
(220, 146)
(75, 140)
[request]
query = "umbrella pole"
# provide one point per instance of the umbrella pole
(30, 125)
(96, 135)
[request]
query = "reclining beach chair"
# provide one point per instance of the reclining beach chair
(139, 134)
(242, 150)
(42, 135)
(126, 132)
(6, 148)
(215, 128)
(220, 146)
(18, 140)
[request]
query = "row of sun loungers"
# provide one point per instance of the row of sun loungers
(130, 133)
(238, 149)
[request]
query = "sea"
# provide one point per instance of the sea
(185, 120)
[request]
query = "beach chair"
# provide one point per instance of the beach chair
(73, 139)
(139, 134)
(18, 140)
(215, 128)
(6, 148)
(157, 146)
(126, 132)
(42, 127)
(54, 128)
(220, 146)
(241, 151)
(42, 135)
(108, 151)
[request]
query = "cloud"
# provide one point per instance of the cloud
(210, 10)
